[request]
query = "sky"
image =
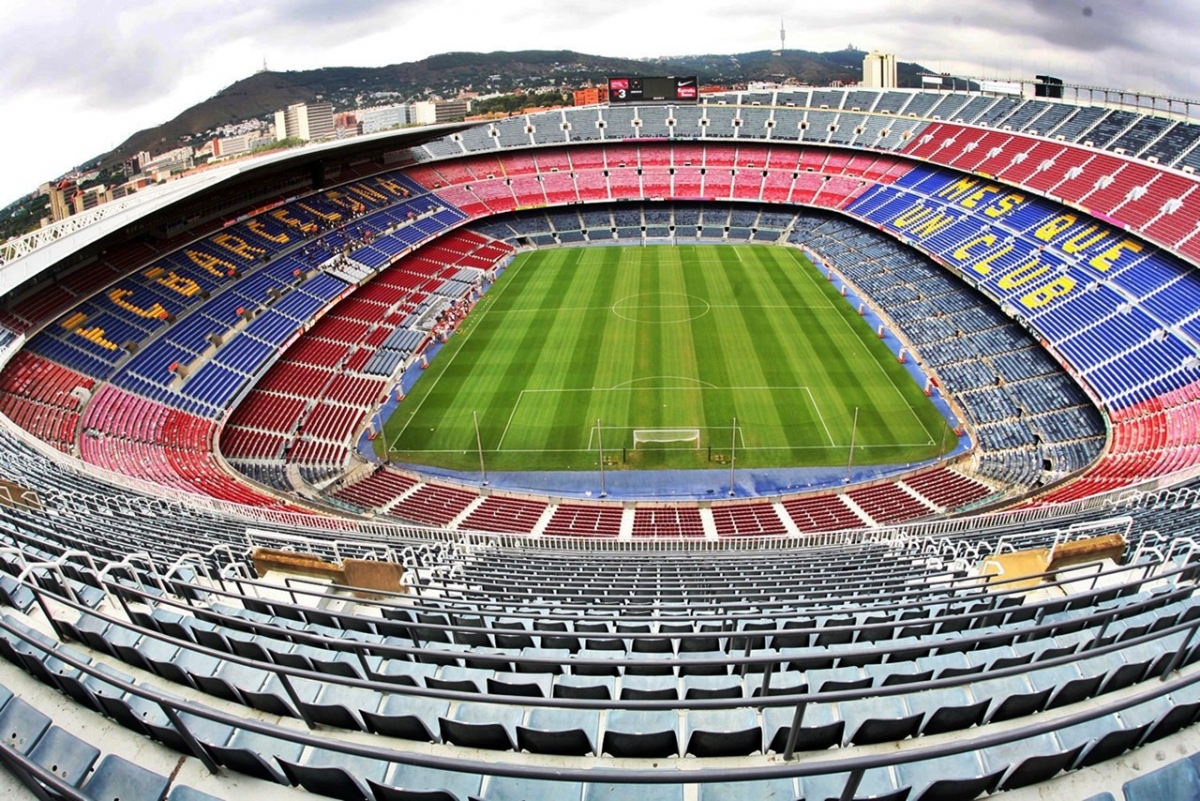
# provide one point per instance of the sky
(79, 76)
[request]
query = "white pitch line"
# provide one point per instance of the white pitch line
(891, 380)
(819, 415)
(465, 336)
(741, 435)
(511, 415)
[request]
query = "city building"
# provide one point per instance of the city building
(380, 118)
(237, 145)
(591, 95)
(429, 112)
(879, 70)
(307, 121)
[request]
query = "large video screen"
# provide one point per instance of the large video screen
(653, 90)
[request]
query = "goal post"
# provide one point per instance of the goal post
(683, 437)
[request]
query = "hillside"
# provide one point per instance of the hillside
(448, 74)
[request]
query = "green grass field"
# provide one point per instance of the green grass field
(666, 340)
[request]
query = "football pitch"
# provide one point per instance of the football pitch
(652, 353)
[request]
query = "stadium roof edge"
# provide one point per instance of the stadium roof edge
(28, 256)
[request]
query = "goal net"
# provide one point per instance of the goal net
(666, 436)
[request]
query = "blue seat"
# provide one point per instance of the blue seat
(1030, 760)
(408, 717)
(1180, 779)
(722, 732)
(947, 709)
(703, 687)
(21, 726)
(531, 685)
(1011, 697)
(481, 725)
(649, 688)
(950, 778)
(633, 792)
(181, 792)
(878, 720)
(116, 777)
(589, 687)
(459, 679)
(65, 755)
(820, 728)
(254, 754)
(415, 783)
(335, 774)
(565, 732)
(641, 733)
(335, 704)
(768, 790)
(876, 785)
(504, 788)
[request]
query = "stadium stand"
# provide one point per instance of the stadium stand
(1038, 257)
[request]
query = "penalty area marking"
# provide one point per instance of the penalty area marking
(627, 386)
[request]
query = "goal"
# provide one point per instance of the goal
(666, 437)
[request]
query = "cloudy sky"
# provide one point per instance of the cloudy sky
(78, 76)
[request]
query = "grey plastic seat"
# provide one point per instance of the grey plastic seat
(116, 777)
(459, 679)
(504, 788)
(65, 755)
(841, 678)
(415, 783)
(590, 687)
(254, 754)
(878, 720)
(820, 728)
(633, 792)
(403, 671)
(947, 709)
(21, 726)
(649, 688)
(783, 682)
(1030, 761)
(768, 790)
(946, 666)
(722, 732)
(560, 657)
(641, 733)
(335, 704)
(799, 634)
(154, 652)
(563, 732)
(532, 685)
(712, 687)
(950, 778)
(481, 725)
(1185, 707)
(876, 785)
(335, 774)
(1010, 697)
(1072, 682)
(517, 639)
(189, 665)
(181, 792)
(688, 662)
(409, 717)
(604, 667)
(1179, 779)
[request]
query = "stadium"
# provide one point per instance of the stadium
(803, 443)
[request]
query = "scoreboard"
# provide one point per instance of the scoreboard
(653, 90)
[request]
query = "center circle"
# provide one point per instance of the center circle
(661, 307)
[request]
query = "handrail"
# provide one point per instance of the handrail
(364, 649)
(904, 753)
